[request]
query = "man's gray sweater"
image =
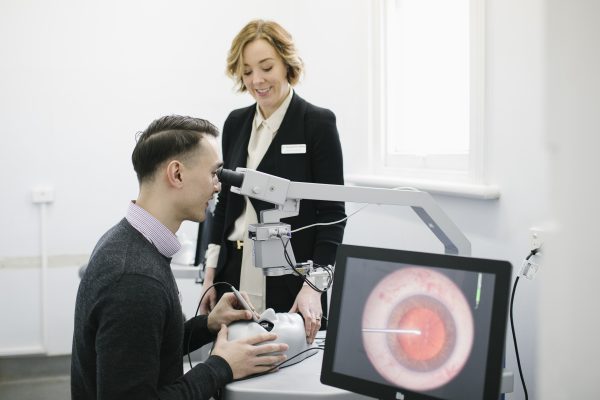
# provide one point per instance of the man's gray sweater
(130, 336)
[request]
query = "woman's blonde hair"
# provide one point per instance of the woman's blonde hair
(276, 36)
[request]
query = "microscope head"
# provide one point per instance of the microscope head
(289, 328)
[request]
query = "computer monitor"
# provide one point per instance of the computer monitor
(407, 325)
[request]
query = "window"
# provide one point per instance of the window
(427, 100)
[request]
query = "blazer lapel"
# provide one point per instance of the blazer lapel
(239, 158)
(239, 153)
(291, 131)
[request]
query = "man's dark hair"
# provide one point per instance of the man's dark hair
(167, 137)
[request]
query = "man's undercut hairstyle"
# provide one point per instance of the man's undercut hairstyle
(168, 137)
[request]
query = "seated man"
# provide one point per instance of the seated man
(130, 335)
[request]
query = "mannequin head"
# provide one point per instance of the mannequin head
(289, 328)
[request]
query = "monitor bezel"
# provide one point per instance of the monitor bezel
(502, 270)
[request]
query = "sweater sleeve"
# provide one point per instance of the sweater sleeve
(196, 329)
(129, 345)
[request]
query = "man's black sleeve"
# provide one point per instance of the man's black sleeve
(129, 346)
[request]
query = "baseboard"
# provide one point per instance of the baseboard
(31, 367)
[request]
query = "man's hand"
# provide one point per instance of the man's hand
(308, 303)
(247, 356)
(227, 310)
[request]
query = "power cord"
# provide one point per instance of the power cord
(402, 188)
(512, 325)
(329, 223)
(281, 364)
(196, 314)
(297, 272)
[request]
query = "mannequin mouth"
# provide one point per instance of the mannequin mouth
(267, 325)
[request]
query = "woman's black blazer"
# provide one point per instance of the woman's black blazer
(306, 124)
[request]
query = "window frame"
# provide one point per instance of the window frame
(471, 182)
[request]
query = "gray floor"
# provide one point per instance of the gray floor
(35, 378)
(47, 378)
(55, 388)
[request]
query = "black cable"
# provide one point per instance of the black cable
(293, 267)
(281, 366)
(329, 270)
(512, 326)
(196, 314)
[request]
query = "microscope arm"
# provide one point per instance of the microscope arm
(286, 195)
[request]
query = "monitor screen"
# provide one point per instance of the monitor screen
(408, 325)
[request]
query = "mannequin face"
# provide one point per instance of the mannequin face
(265, 76)
(289, 328)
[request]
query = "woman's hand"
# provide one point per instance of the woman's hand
(308, 303)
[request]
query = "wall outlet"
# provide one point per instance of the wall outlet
(536, 237)
(42, 194)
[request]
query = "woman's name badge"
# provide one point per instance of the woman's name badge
(293, 149)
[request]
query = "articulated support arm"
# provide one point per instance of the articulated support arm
(269, 234)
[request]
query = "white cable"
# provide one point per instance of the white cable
(329, 223)
(405, 188)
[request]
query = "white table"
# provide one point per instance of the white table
(302, 382)
(297, 382)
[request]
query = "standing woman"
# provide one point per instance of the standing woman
(283, 135)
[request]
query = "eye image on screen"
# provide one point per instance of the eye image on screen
(416, 325)
(417, 328)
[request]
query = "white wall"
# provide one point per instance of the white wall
(516, 161)
(569, 322)
(78, 80)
